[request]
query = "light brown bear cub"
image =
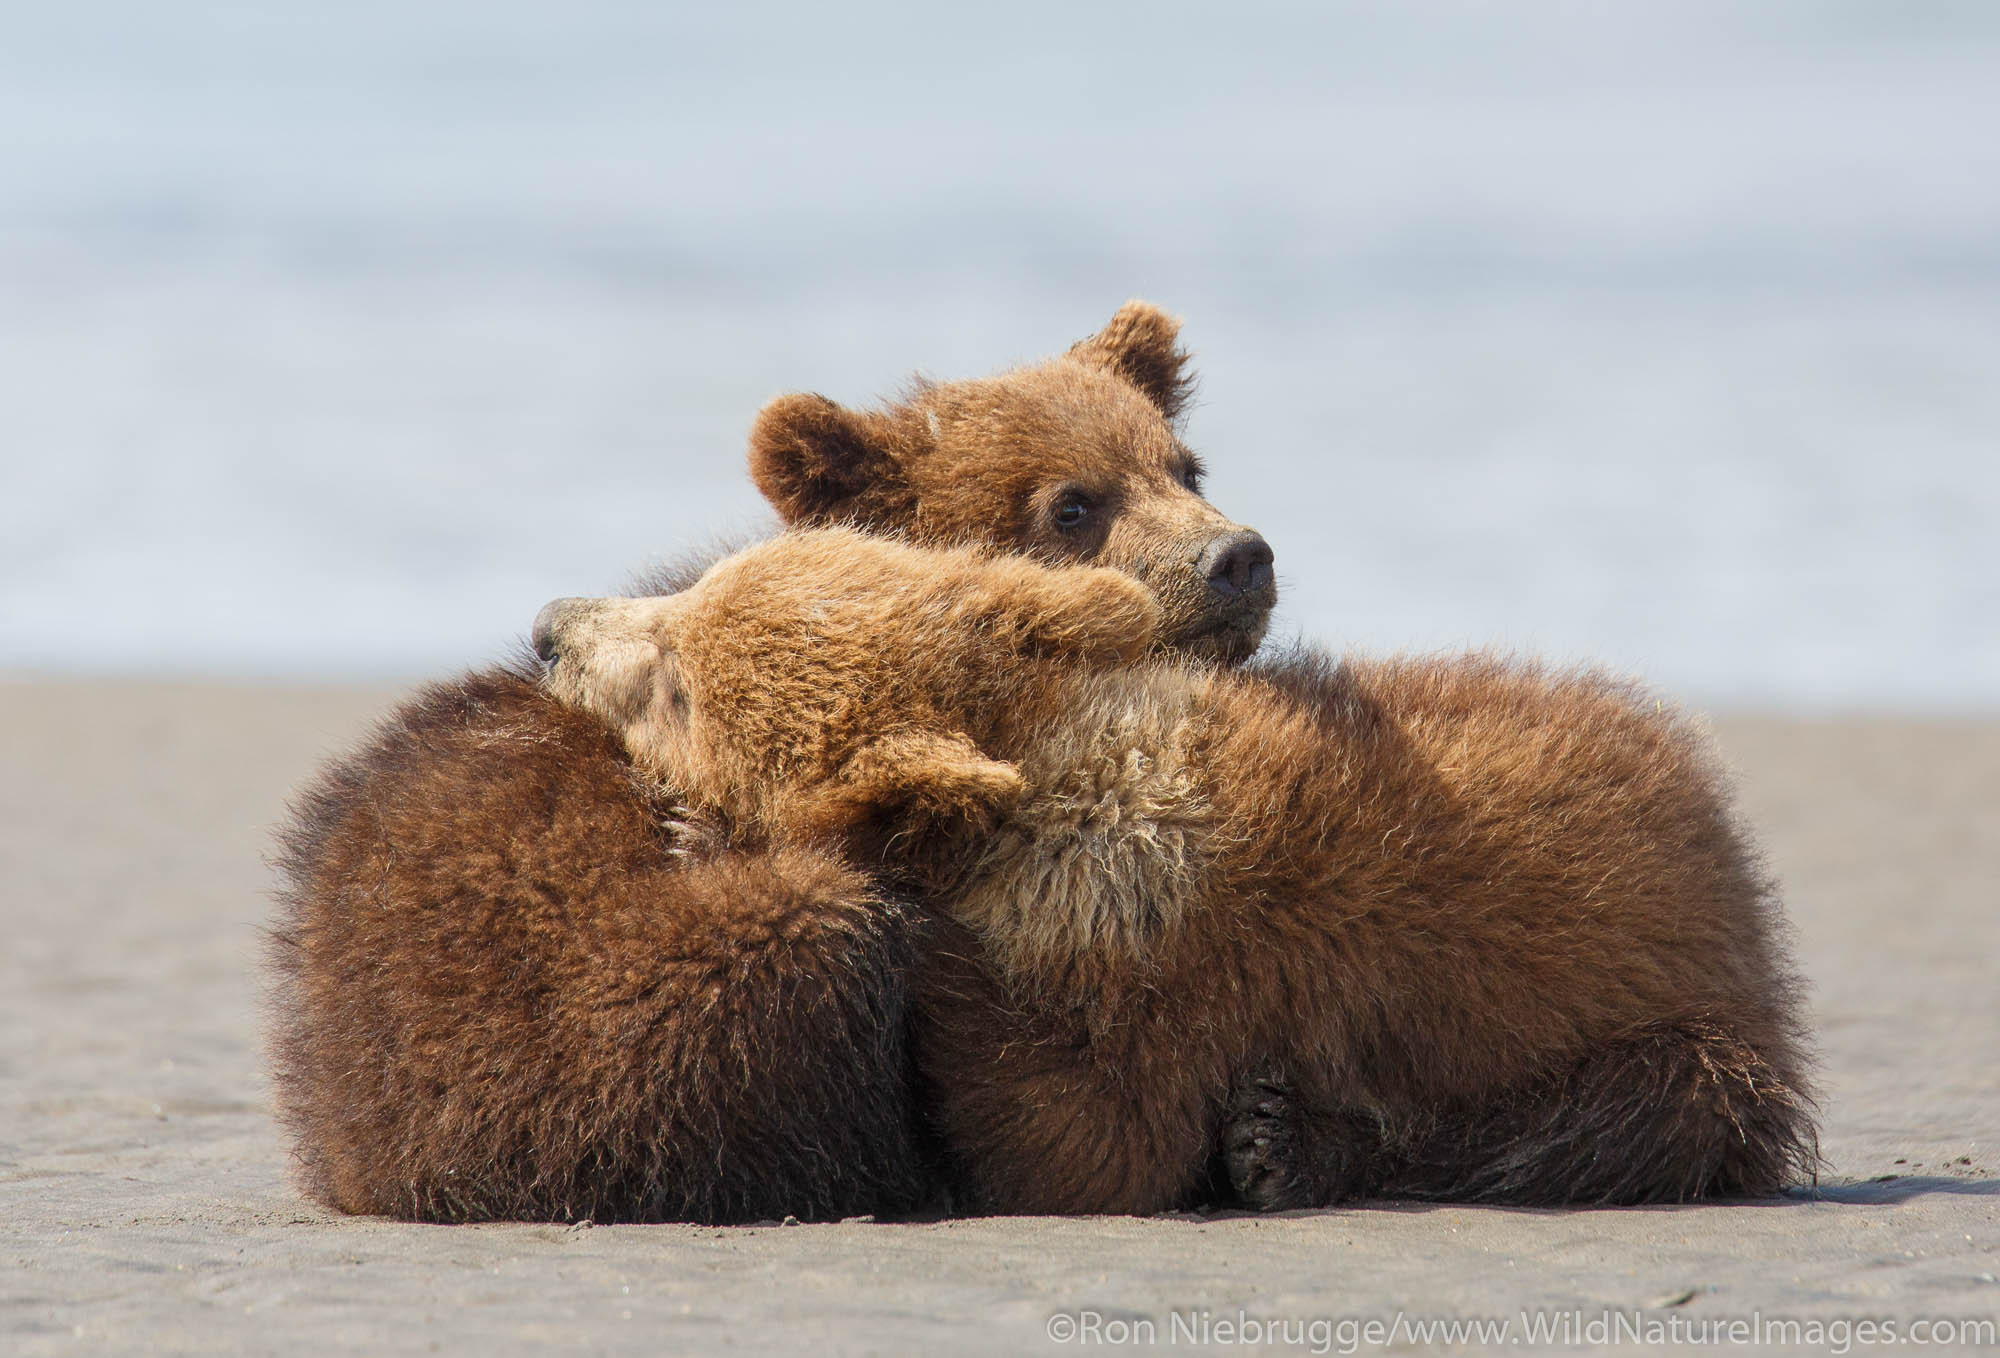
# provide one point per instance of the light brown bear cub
(1427, 928)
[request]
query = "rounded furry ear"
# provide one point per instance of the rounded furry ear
(818, 462)
(1139, 345)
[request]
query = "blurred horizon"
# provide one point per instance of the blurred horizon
(333, 342)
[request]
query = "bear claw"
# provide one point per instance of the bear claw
(1260, 1145)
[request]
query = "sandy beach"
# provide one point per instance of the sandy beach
(145, 1205)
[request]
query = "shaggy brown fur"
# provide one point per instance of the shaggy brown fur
(511, 981)
(517, 983)
(1427, 928)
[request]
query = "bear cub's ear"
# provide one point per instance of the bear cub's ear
(917, 783)
(1139, 346)
(818, 462)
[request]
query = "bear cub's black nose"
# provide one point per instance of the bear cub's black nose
(547, 634)
(1237, 564)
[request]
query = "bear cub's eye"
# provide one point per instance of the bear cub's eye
(1072, 509)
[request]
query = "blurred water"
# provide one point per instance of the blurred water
(335, 339)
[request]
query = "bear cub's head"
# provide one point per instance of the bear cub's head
(1075, 460)
(827, 681)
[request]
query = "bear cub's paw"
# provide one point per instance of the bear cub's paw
(1261, 1144)
(1279, 1154)
(1088, 613)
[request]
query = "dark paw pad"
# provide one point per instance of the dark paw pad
(1260, 1146)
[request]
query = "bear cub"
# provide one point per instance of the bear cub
(1447, 928)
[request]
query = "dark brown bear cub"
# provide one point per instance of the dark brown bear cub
(1431, 928)
(513, 980)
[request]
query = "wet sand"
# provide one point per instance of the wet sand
(144, 1203)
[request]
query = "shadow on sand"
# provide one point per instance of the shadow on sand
(1891, 1189)
(1888, 1191)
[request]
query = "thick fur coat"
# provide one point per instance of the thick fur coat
(1437, 928)
(516, 982)
(511, 980)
